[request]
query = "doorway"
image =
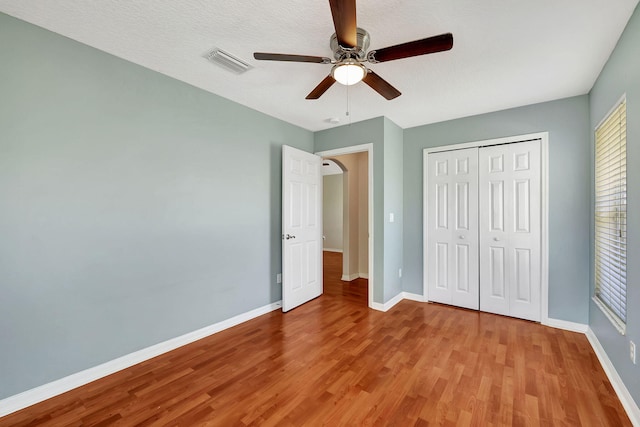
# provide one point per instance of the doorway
(350, 239)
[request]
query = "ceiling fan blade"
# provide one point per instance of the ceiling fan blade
(381, 86)
(321, 88)
(344, 20)
(417, 47)
(262, 56)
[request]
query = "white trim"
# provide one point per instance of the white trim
(488, 142)
(544, 228)
(395, 300)
(566, 325)
(615, 320)
(544, 208)
(332, 250)
(620, 326)
(614, 378)
(377, 306)
(389, 304)
(358, 149)
(413, 297)
(623, 99)
(425, 223)
(38, 394)
(350, 277)
(364, 275)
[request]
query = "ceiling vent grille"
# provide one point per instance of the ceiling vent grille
(227, 61)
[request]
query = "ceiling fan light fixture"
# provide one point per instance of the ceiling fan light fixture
(349, 72)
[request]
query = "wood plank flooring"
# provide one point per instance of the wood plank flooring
(335, 362)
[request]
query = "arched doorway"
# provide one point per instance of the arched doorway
(345, 212)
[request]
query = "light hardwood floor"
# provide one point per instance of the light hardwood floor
(335, 362)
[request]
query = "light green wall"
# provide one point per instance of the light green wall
(133, 208)
(621, 75)
(569, 201)
(386, 138)
(393, 249)
(365, 132)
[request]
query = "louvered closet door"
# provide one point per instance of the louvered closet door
(452, 221)
(509, 181)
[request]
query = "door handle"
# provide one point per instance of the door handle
(496, 239)
(289, 236)
(461, 237)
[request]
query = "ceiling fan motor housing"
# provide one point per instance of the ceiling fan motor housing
(358, 52)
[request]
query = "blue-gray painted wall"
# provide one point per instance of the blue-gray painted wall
(133, 208)
(393, 204)
(365, 132)
(386, 138)
(621, 75)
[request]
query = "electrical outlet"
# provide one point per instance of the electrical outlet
(632, 352)
(279, 278)
(399, 272)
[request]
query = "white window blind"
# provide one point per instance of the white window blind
(611, 215)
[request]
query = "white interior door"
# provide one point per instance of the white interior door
(452, 222)
(301, 227)
(510, 229)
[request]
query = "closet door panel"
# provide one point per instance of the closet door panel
(525, 230)
(439, 182)
(452, 228)
(509, 197)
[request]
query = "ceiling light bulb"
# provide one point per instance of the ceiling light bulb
(348, 73)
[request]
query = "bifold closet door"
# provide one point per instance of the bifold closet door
(452, 222)
(509, 181)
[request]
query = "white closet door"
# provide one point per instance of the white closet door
(510, 229)
(452, 234)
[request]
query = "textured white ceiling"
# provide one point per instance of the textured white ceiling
(506, 53)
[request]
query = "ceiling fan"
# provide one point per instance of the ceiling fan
(349, 45)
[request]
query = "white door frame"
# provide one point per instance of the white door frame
(544, 208)
(359, 149)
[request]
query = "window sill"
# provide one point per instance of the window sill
(617, 323)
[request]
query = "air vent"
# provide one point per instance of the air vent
(227, 61)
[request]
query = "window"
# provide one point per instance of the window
(611, 216)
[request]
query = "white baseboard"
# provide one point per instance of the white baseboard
(35, 395)
(395, 300)
(377, 306)
(567, 326)
(389, 304)
(349, 277)
(621, 390)
(413, 297)
(332, 250)
(363, 276)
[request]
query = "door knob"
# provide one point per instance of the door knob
(496, 239)
(461, 237)
(289, 236)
